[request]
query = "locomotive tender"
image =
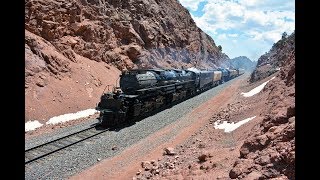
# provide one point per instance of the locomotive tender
(146, 90)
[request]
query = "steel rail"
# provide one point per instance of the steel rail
(63, 146)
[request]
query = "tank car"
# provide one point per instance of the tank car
(232, 73)
(225, 74)
(203, 79)
(217, 77)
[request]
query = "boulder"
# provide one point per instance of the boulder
(169, 151)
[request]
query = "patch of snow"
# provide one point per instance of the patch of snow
(32, 125)
(228, 127)
(256, 90)
(71, 116)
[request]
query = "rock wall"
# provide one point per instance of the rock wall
(64, 38)
(270, 150)
(126, 34)
(275, 58)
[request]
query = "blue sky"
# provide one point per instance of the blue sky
(243, 27)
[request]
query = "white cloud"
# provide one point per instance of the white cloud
(249, 2)
(222, 37)
(220, 11)
(269, 4)
(254, 21)
(192, 4)
(233, 35)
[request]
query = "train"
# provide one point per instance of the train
(143, 91)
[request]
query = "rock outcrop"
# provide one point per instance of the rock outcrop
(271, 61)
(126, 34)
(270, 150)
(62, 36)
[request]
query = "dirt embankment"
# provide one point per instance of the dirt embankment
(55, 85)
(269, 151)
(75, 48)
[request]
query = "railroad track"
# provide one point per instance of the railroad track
(51, 147)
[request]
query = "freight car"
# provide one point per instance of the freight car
(144, 91)
(232, 73)
(224, 75)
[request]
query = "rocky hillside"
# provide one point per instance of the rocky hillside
(242, 62)
(270, 150)
(74, 48)
(275, 58)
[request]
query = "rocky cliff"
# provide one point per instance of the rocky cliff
(270, 150)
(271, 61)
(74, 48)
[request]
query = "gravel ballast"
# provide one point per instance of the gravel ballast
(76, 158)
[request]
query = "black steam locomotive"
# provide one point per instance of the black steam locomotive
(144, 91)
